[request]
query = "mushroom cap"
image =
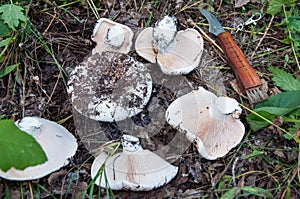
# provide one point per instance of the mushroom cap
(110, 87)
(186, 54)
(181, 57)
(144, 45)
(139, 170)
(111, 36)
(198, 114)
(57, 142)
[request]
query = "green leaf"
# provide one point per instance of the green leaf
(253, 154)
(289, 99)
(247, 191)
(17, 148)
(284, 80)
(230, 193)
(12, 14)
(257, 191)
(4, 30)
(275, 6)
(7, 70)
(277, 105)
(5, 42)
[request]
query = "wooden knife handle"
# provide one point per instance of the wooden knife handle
(244, 73)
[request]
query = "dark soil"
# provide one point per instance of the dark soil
(38, 88)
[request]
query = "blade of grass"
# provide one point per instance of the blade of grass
(46, 190)
(51, 53)
(8, 69)
(94, 8)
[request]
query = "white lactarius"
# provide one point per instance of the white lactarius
(209, 120)
(57, 142)
(110, 87)
(135, 168)
(175, 52)
(111, 36)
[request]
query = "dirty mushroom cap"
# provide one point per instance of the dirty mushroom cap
(56, 141)
(134, 169)
(110, 87)
(111, 36)
(205, 118)
(175, 52)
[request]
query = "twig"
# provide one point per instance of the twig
(56, 83)
(265, 33)
(233, 174)
(206, 36)
(289, 181)
(53, 17)
(30, 189)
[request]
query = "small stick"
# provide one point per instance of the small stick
(265, 33)
(206, 36)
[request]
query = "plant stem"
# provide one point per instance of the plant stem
(290, 36)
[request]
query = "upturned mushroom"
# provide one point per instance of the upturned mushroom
(213, 122)
(57, 142)
(134, 169)
(175, 52)
(110, 87)
(111, 36)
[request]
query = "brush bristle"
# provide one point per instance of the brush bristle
(257, 95)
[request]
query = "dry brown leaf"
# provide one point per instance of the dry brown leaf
(240, 3)
(54, 176)
(236, 88)
(279, 153)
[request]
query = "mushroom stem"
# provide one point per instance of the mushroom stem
(30, 125)
(114, 37)
(164, 33)
(224, 106)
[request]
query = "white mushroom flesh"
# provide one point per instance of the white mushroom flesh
(57, 142)
(175, 52)
(134, 169)
(111, 36)
(164, 33)
(197, 115)
(144, 45)
(185, 56)
(227, 105)
(115, 36)
(131, 143)
(30, 125)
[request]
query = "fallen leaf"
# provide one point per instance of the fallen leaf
(236, 88)
(279, 153)
(54, 176)
(240, 3)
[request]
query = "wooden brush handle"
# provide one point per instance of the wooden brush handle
(245, 74)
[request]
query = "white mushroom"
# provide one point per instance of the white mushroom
(111, 36)
(209, 120)
(110, 87)
(56, 141)
(134, 169)
(175, 52)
